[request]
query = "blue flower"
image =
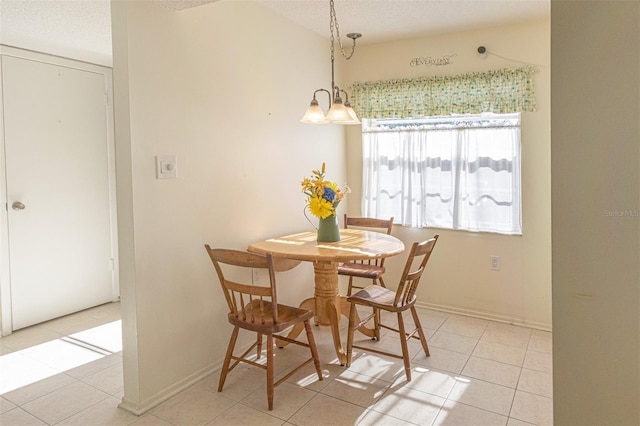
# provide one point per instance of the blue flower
(329, 194)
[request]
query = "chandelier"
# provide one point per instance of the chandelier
(339, 112)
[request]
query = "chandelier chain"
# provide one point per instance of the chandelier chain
(333, 23)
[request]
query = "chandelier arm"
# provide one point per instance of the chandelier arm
(327, 92)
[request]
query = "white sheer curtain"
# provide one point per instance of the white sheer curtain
(452, 177)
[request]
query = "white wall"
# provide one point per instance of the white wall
(596, 205)
(222, 87)
(459, 278)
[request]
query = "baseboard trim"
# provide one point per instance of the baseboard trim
(485, 315)
(146, 405)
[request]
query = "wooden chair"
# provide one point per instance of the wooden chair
(381, 298)
(370, 269)
(255, 308)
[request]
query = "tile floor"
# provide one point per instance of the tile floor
(69, 372)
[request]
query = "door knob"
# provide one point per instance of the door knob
(17, 205)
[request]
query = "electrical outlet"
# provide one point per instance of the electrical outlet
(255, 278)
(495, 263)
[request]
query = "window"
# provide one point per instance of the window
(457, 172)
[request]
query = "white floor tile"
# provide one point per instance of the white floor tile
(538, 361)
(18, 416)
(484, 395)
(5, 350)
(72, 323)
(375, 418)
(94, 367)
(240, 414)
(6, 405)
(307, 377)
(390, 342)
(516, 422)
(500, 352)
(109, 380)
(541, 341)
(104, 413)
(510, 335)
(431, 320)
(532, 408)
(18, 370)
(104, 336)
(239, 383)
(194, 406)
(326, 410)
(423, 379)
(356, 388)
(28, 337)
(536, 382)
(464, 326)
(492, 371)
(375, 365)
(409, 405)
(287, 400)
(61, 355)
(150, 420)
(64, 402)
(105, 313)
(38, 388)
(457, 414)
(453, 342)
(442, 359)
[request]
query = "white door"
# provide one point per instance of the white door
(58, 189)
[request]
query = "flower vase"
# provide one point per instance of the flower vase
(328, 231)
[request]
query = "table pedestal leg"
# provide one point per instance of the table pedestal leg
(327, 306)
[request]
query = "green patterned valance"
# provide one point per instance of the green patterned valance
(499, 91)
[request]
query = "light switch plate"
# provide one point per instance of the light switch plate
(166, 167)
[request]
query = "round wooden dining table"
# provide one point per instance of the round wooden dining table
(327, 303)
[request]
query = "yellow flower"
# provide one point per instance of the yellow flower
(320, 207)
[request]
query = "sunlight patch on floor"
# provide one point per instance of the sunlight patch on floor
(107, 336)
(30, 365)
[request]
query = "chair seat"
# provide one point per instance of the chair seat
(379, 297)
(361, 270)
(262, 321)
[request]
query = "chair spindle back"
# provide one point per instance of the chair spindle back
(367, 222)
(246, 301)
(408, 285)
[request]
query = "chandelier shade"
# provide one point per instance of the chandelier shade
(314, 114)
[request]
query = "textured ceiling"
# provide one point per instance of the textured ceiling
(82, 27)
(387, 20)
